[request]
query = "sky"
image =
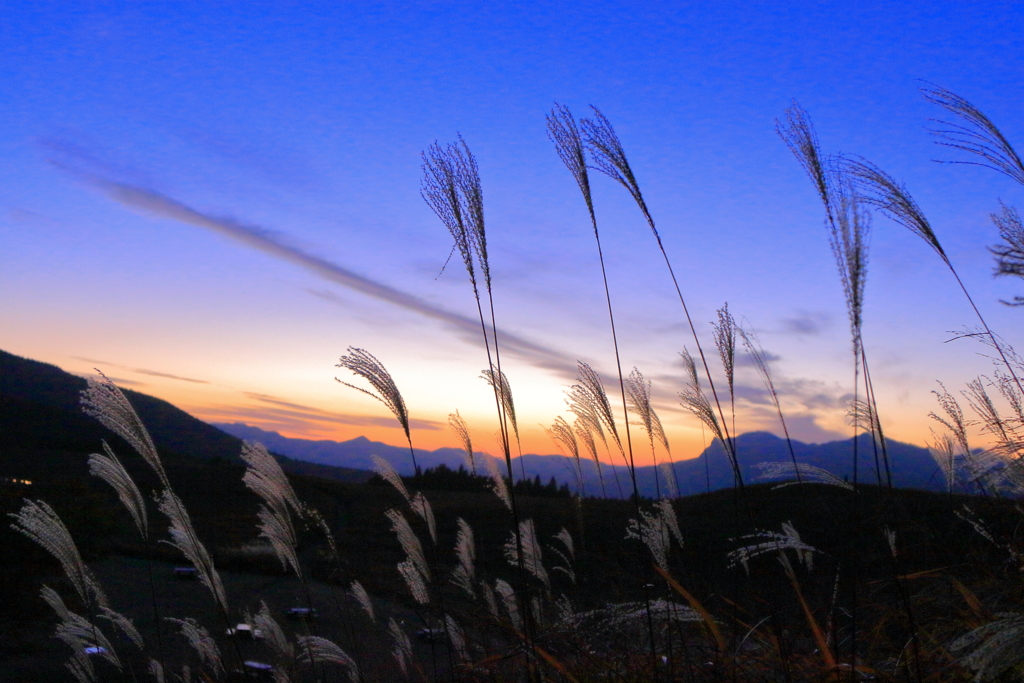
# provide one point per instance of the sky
(211, 203)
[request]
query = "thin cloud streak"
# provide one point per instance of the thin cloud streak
(282, 407)
(120, 381)
(304, 420)
(142, 371)
(261, 239)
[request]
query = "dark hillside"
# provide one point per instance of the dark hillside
(28, 386)
(40, 412)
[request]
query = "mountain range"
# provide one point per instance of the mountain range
(911, 466)
(43, 432)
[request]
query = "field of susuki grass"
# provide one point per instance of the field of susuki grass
(166, 570)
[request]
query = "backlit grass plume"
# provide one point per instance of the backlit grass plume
(499, 485)
(451, 186)
(409, 541)
(565, 440)
(693, 398)
(942, 448)
(565, 133)
(588, 397)
(531, 558)
(847, 223)
(382, 387)
(568, 556)
(362, 598)
(264, 476)
(585, 437)
(956, 424)
(39, 522)
(461, 430)
(848, 237)
(504, 390)
(994, 648)
(202, 643)
(273, 635)
(421, 506)
(386, 472)
(589, 402)
(804, 474)
(799, 135)
(103, 401)
(976, 134)
(725, 332)
(78, 633)
(891, 197)
(401, 648)
(638, 395)
(510, 602)
(1010, 254)
(464, 575)
(108, 468)
(183, 537)
(840, 185)
(414, 581)
(772, 542)
(656, 530)
(315, 650)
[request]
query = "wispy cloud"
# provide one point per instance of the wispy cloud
(155, 203)
(807, 403)
(283, 408)
(807, 323)
(119, 381)
(309, 425)
(142, 371)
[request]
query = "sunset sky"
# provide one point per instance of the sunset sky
(211, 202)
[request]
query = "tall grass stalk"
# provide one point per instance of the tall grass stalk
(609, 157)
(757, 354)
(382, 387)
(977, 135)
(725, 341)
(848, 225)
(500, 383)
(451, 187)
(842, 183)
(565, 134)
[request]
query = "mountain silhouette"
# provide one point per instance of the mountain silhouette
(43, 433)
(911, 466)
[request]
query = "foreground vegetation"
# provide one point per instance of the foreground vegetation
(825, 579)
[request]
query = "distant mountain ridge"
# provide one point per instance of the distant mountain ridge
(40, 413)
(911, 466)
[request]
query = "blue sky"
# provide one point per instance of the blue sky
(134, 133)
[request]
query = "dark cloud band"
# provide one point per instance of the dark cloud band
(264, 240)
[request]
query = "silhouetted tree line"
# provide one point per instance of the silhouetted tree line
(444, 478)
